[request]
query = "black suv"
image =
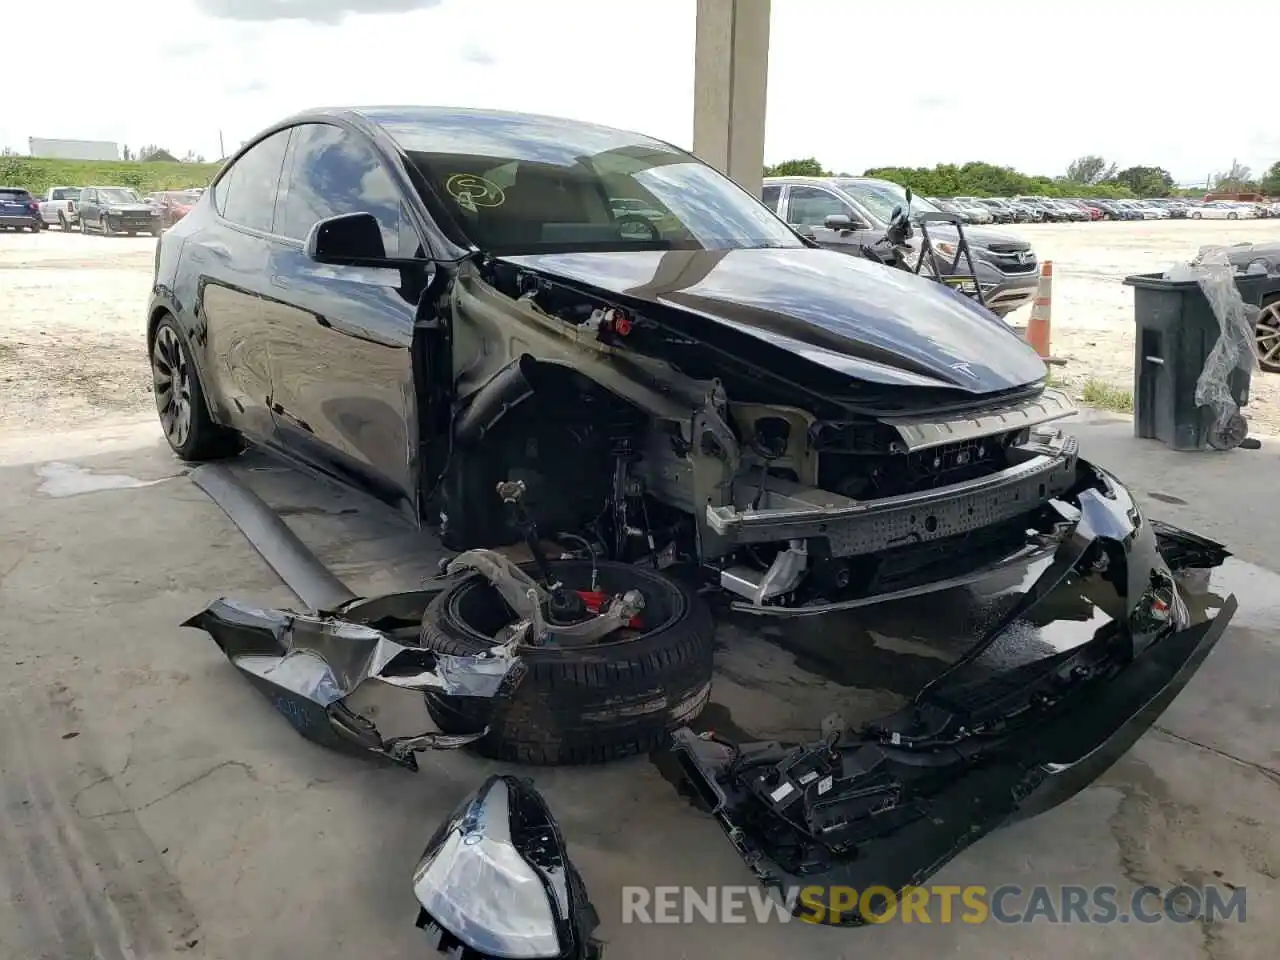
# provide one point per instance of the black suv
(19, 209)
(1005, 265)
(112, 210)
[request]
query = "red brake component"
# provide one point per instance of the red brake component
(594, 600)
(616, 322)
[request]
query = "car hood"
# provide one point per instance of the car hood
(978, 237)
(127, 208)
(846, 314)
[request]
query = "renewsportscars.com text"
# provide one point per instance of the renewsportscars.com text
(937, 903)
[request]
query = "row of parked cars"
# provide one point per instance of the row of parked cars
(1063, 210)
(106, 210)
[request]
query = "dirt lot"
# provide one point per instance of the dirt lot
(71, 315)
(1093, 310)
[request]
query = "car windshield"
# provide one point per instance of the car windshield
(522, 184)
(7, 193)
(881, 196)
(116, 195)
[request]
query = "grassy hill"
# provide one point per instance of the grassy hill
(38, 175)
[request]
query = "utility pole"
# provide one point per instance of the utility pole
(222, 150)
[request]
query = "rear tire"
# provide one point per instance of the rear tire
(588, 704)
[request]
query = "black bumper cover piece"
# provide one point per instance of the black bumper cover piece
(883, 808)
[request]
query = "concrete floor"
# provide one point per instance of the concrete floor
(153, 805)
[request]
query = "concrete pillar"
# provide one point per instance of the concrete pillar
(731, 76)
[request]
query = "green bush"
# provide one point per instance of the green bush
(988, 180)
(38, 175)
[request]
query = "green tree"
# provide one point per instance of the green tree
(978, 179)
(808, 167)
(1090, 169)
(1270, 182)
(1146, 181)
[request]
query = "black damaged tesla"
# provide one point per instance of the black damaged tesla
(514, 327)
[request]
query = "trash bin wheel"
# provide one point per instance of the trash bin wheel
(602, 701)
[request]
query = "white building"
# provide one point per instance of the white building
(73, 149)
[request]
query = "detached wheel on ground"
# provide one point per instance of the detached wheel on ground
(584, 704)
(180, 401)
(1267, 334)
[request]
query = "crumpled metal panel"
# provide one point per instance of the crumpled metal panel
(308, 666)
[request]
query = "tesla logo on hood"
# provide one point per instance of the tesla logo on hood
(964, 368)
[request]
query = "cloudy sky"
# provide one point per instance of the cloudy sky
(852, 82)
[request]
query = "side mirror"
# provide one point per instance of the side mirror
(838, 221)
(350, 239)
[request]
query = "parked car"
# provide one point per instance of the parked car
(1006, 265)
(172, 205)
(1074, 212)
(59, 206)
(1088, 207)
(1024, 213)
(978, 213)
(19, 210)
(1001, 210)
(437, 306)
(1215, 210)
(1048, 211)
(948, 206)
(115, 210)
(1175, 208)
(1267, 326)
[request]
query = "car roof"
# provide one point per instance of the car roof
(391, 115)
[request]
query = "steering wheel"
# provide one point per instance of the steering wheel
(631, 219)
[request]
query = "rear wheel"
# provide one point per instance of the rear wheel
(615, 698)
(1233, 215)
(180, 400)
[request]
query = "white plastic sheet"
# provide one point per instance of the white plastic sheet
(1215, 272)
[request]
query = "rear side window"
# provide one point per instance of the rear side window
(335, 172)
(246, 195)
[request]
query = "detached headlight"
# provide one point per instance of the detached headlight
(496, 879)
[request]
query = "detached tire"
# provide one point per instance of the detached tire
(586, 704)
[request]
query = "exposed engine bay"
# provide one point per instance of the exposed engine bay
(630, 450)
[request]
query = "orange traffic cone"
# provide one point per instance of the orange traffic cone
(1038, 326)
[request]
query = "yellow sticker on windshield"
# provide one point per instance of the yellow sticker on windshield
(471, 191)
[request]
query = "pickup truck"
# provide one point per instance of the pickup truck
(59, 206)
(1008, 273)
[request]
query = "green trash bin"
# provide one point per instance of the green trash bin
(1176, 329)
